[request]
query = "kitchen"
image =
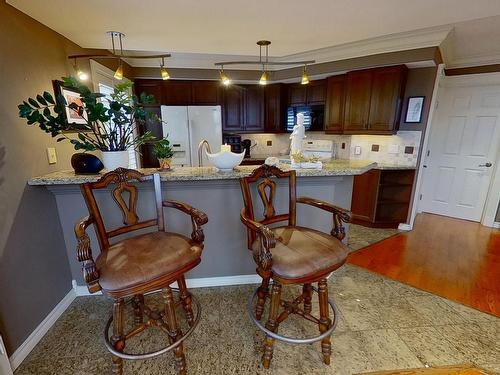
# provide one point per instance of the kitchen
(307, 183)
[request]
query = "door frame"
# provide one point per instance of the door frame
(5, 365)
(493, 195)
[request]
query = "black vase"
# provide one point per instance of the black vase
(84, 163)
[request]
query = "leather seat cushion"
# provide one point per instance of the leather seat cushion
(141, 259)
(301, 252)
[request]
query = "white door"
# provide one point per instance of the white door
(463, 148)
(5, 368)
(175, 127)
(204, 123)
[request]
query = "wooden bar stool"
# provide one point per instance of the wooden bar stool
(289, 255)
(144, 264)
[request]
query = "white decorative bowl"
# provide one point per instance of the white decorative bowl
(225, 161)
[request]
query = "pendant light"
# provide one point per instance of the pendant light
(264, 78)
(226, 81)
(163, 71)
(265, 63)
(305, 77)
(119, 72)
(82, 76)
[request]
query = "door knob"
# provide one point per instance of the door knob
(487, 165)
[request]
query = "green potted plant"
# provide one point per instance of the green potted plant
(163, 152)
(109, 124)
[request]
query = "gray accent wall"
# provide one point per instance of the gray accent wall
(34, 269)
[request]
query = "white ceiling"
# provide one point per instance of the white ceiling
(231, 27)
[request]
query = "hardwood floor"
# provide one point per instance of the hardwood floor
(447, 370)
(455, 259)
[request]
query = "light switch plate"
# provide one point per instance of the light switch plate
(393, 149)
(357, 150)
(51, 155)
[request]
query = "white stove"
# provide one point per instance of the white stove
(320, 148)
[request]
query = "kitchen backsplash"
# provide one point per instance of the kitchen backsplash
(401, 148)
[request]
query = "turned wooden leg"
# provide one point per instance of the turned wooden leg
(307, 291)
(117, 339)
(262, 293)
(324, 320)
(186, 300)
(174, 331)
(137, 305)
(272, 324)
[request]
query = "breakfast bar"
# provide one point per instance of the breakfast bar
(218, 194)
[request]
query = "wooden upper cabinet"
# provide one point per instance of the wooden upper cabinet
(334, 105)
(357, 102)
(232, 108)
(316, 92)
(206, 92)
(254, 108)
(176, 93)
(150, 87)
(297, 94)
(386, 99)
(274, 108)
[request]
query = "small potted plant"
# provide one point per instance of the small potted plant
(109, 123)
(163, 152)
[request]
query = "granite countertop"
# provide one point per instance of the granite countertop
(389, 166)
(332, 168)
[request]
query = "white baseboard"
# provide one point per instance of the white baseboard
(496, 225)
(202, 282)
(27, 346)
(404, 226)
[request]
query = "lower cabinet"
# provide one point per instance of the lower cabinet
(381, 198)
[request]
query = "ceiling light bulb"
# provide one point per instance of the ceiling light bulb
(82, 76)
(119, 72)
(264, 78)
(225, 78)
(164, 73)
(305, 77)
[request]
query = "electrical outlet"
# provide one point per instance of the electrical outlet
(375, 148)
(393, 149)
(343, 146)
(51, 155)
(269, 143)
(357, 150)
(409, 149)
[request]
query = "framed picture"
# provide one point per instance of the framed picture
(75, 120)
(414, 109)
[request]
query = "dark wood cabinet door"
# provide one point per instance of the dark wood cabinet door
(232, 108)
(357, 103)
(148, 159)
(274, 108)
(254, 108)
(297, 94)
(386, 99)
(316, 92)
(177, 93)
(334, 106)
(364, 196)
(206, 92)
(150, 87)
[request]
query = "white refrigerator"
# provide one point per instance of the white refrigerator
(187, 126)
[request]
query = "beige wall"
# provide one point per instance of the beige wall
(34, 270)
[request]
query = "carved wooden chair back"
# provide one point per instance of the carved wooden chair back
(122, 179)
(265, 177)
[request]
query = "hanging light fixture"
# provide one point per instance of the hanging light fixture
(82, 76)
(163, 71)
(265, 63)
(226, 81)
(114, 55)
(305, 76)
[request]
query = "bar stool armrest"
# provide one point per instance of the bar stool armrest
(84, 254)
(198, 218)
(261, 254)
(339, 214)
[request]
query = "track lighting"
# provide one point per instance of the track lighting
(305, 77)
(163, 71)
(224, 77)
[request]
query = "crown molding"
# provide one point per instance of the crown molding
(408, 40)
(475, 60)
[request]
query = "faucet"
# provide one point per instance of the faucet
(201, 145)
